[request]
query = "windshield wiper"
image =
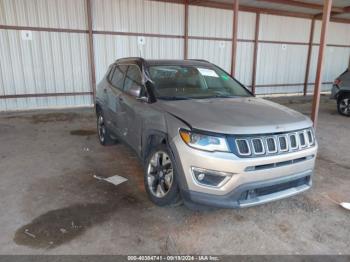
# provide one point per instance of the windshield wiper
(217, 96)
(174, 98)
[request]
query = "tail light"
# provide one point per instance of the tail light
(337, 82)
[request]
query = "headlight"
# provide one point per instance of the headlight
(204, 142)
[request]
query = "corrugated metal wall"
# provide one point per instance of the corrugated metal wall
(44, 13)
(138, 16)
(135, 16)
(49, 63)
(58, 63)
(215, 24)
(282, 54)
(336, 56)
(108, 48)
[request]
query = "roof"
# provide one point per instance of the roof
(302, 8)
(153, 62)
(178, 62)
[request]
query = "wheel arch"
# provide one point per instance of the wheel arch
(151, 139)
(98, 108)
(342, 93)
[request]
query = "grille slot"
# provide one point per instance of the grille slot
(283, 143)
(271, 145)
(243, 147)
(258, 146)
(302, 139)
(310, 137)
(293, 141)
(278, 164)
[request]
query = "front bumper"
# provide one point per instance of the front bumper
(246, 187)
(254, 193)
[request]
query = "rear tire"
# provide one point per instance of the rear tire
(103, 133)
(343, 105)
(160, 177)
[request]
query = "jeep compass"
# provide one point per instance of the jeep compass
(202, 137)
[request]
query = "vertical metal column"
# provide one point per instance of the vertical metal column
(255, 55)
(309, 52)
(91, 48)
(186, 30)
(234, 37)
(317, 91)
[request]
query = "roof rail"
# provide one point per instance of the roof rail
(131, 58)
(199, 60)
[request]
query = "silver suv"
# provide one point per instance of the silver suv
(202, 136)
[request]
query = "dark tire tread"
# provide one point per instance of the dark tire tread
(340, 98)
(108, 140)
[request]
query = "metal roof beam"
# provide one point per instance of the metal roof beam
(245, 8)
(301, 4)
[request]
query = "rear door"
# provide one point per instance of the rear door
(114, 93)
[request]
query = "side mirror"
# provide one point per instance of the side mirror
(134, 91)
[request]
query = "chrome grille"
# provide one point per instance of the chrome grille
(274, 144)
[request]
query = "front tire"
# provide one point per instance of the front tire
(343, 105)
(102, 131)
(161, 177)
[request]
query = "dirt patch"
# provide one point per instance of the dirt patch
(83, 132)
(94, 202)
(59, 226)
(53, 117)
(62, 225)
(47, 118)
(283, 227)
(299, 203)
(238, 217)
(322, 158)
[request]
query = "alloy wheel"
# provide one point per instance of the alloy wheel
(344, 106)
(101, 128)
(160, 174)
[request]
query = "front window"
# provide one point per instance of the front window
(173, 82)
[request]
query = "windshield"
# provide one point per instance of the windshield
(173, 82)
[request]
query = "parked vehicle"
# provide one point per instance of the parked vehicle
(202, 136)
(341, 92)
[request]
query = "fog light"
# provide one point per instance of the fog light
(201, 176)
(210, 177)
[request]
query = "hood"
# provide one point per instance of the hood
(236, 115)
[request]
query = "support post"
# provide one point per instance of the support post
(234, 37)
(186, 30)
(91, 49)
(255, 55)
(309, 52)
(317, 91)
